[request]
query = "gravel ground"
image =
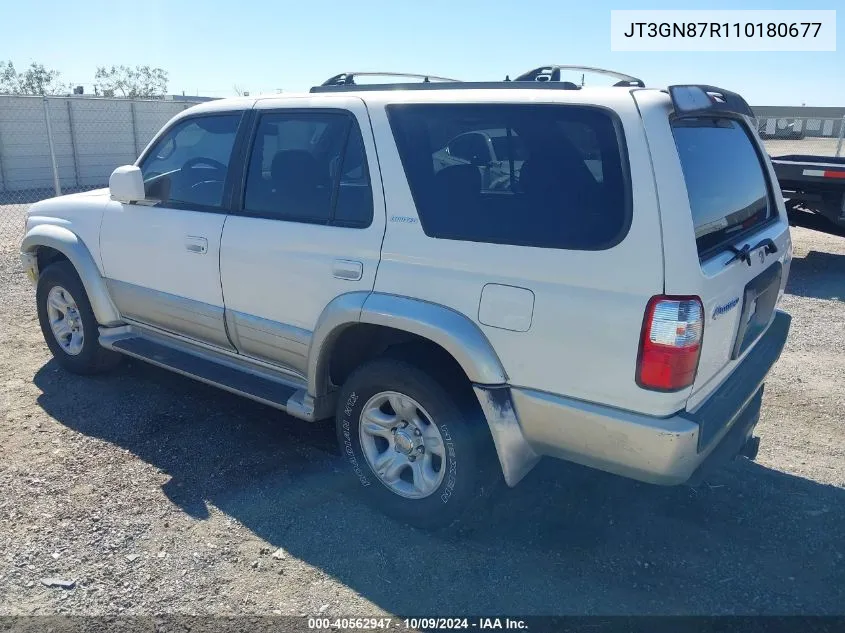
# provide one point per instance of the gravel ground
(152, 493)
(806, 145)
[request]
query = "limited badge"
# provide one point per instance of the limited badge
(721, 310)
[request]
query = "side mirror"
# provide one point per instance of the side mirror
(126, 184)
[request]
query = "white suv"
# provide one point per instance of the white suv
(610, 301)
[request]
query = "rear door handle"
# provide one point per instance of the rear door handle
(196, 244)
(347, 269)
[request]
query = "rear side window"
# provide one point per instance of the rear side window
(728, 191)
(309, 167)
(549, 176)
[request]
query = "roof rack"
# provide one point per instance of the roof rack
(545, 77)
(447, 85)
(347, 79)
(552, 73)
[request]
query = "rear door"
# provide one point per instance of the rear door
(718, 196)
(307, 226)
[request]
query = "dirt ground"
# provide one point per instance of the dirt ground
(807, 145)
(151, 493)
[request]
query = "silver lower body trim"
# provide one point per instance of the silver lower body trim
(527, 424)
(269, 340)
(198, 320)
(642, 447)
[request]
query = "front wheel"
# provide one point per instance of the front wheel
(68, 323)
(418, 455)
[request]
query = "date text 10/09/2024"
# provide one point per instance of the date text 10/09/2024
(430, 624)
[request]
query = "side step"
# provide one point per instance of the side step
(213, 368)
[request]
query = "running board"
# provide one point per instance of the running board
(230, 373)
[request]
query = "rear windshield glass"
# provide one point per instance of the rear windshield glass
(526, 174)
(725, 180)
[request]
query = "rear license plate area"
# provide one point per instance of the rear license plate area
(758, 305)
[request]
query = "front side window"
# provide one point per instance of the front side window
(309, 167)
(188, 165)
(548, 176)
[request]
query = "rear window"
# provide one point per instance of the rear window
(549, 176)
(728, 191)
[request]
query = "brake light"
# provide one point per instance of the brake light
(671, 343)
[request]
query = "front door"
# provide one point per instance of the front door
(310, 224)
(161, 256)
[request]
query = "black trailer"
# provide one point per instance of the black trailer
(813, 183)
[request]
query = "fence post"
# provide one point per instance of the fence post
(3, 181)
(52, 147)
(73, 142)
(841, 136)
(134, 129)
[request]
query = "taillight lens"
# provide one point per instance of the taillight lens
(671, 343)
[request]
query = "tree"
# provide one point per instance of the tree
(141, 81)
(8, 78)
(35, 80)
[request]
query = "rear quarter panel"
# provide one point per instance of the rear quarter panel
(714, 280)
(588, 310)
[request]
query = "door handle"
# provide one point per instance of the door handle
(196, 244)
(347, 269)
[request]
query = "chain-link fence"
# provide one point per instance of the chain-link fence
(57, 145)
(813, 136)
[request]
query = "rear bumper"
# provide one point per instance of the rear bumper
(681, 448)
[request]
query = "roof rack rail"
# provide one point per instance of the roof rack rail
(447, 85)
(348, 78)
(552, 73)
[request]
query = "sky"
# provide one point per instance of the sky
(263, 46)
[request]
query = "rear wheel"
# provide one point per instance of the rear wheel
(418, 454)
(68, 323)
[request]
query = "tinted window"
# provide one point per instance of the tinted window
(725, 182)
(188, 164)
(309, 167)
(559, 179)
(508, 147)
(354, 204)
(472, 148)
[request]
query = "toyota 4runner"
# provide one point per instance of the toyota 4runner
(465, 276)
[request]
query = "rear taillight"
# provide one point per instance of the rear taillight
(670, 343)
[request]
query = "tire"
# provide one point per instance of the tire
(442, 481)
(60, 294)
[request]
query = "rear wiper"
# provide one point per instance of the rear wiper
(744, 254)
